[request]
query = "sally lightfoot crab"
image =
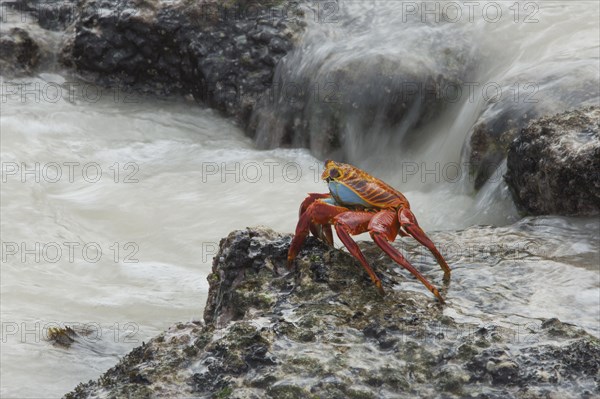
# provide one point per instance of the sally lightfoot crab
(357, 203)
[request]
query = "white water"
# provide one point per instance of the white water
(184, 202)
(170, 221)
(516, 55)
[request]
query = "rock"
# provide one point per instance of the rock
(63, 337)
(26, 45)
(322, 330)
(524, 98)
(553, 167)
(53, 15)
(223, 54)
(19, 53)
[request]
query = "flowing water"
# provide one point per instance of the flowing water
(360, 60)
(113, 206)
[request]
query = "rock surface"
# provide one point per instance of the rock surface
(323, 331)
(543, 91)
(20, 54)
(54, 15)
(554, 164)
(222, 53)
(28, 41)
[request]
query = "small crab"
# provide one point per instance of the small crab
(357, 203)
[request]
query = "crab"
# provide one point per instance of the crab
(357, 203)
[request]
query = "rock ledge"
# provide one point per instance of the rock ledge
(323, 331)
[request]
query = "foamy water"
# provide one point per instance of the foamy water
(113, 209)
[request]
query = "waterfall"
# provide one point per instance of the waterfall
(421, 94)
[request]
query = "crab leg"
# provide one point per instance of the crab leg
(321, 231)
(308, 201)
(409, 223)
(383, 228)
(398, 258)
(317, 213)
(327, 234)
(356, 223)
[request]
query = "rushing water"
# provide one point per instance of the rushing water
(360, 60)
(154, 184)
(174, 180)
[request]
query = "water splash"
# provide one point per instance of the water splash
(397, 90)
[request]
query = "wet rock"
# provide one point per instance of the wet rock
(63, 337)
(495, 366)
(556, 328)
(19, 53)
(253, 343)
(27, 46)
(221, 53)
(524, 98)
(553, 167)
(53, 15)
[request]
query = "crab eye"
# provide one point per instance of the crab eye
(334, 173)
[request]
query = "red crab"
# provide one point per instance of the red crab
(357, 203)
